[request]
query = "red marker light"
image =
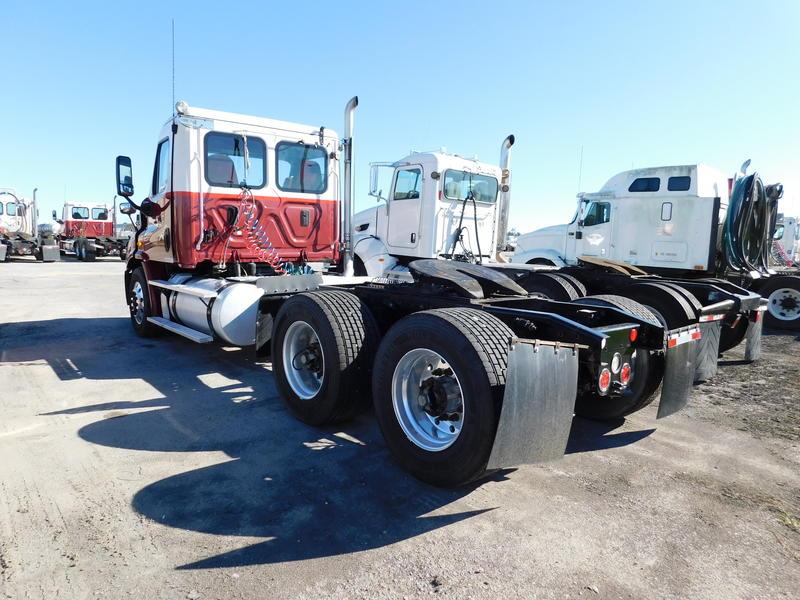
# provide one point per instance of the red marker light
(604, 381)
(625, 374)
(634, 333)
(696, 335)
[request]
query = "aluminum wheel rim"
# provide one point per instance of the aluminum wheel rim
(137, 302)
(301, 346)
(413, 372)
(784, 304)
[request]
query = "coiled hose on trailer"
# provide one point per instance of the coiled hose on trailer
(750, 224)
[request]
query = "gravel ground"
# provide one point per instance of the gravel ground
(163, 469)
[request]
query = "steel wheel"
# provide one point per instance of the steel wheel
(303, 362)
(137, 303)
(784, 304)
(427, 399)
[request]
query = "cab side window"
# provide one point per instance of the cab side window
(161, 170)
(408, 185)
(301, 168)
(99, 214)
(597, 214)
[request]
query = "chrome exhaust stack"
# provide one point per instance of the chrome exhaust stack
(347, 209)
(504, 197)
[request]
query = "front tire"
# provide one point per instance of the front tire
(139, 304)
(322, 350)
(438, 387)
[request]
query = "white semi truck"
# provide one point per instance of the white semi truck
(20, 234)
(690, 222)
(786, 242)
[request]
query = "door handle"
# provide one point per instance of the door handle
(413, 237)
(571, 234)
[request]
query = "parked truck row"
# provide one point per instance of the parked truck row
(471, 363)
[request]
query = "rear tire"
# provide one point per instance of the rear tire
(647, 369)
(470, 348)
(322, 350)
(552, 285)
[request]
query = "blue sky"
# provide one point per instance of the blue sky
(633, 83)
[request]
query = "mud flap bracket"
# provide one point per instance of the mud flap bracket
(538, 404)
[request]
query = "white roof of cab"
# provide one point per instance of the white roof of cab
(706, 181)
(445, 160)
(218, 115)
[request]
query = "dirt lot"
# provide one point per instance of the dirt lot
(162, 469)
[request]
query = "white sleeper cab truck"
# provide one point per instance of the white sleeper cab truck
(20, 235)
(684, 222)
(88, 231)
(246, 237)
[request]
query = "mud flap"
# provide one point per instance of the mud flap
(752, 339)
(678, 377)
(707, 351)
(538, 404)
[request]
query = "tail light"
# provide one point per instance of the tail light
(633, 335)
(604, 381)
(625, 374)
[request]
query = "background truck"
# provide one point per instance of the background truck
(252, 245)
(89, 231)
(20, 234)
(686, 222)
(786, 242)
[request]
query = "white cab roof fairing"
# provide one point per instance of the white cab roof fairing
(236, 121)
(442, 161)
(706, 181)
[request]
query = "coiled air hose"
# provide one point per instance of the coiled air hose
(750, 224)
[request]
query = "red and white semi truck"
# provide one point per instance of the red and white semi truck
(247, 237)
(88, 231)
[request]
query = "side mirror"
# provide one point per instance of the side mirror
(55, 216)
(126, 208)
(150, 208)
(124, 177)
(373, 181)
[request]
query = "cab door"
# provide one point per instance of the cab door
(594, 231)
(159, 244)
(405, 205)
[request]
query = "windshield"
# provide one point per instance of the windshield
(457, 184)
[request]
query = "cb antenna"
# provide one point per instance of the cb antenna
(173, 66)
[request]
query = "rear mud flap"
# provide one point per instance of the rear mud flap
(752, 339)
(707, 351)
(539, 401)
(679, 372)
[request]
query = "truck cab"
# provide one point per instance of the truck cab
(430, 205)
(80, 219)
(12, 212)
(646, 217)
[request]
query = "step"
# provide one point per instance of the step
(192, 334)
(183, 289)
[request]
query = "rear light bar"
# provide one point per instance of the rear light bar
(707, 318)
(682, 337)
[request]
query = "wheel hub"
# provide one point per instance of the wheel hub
(784, 304)
(303, 361)
(137, 303)
(427, 399)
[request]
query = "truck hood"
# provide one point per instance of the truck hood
(552, 238)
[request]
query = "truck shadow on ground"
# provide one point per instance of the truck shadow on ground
(306, 492)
